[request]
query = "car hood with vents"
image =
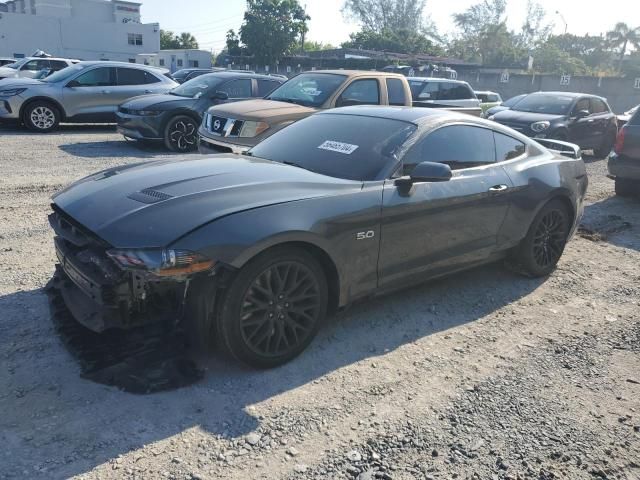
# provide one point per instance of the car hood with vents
(152, 204)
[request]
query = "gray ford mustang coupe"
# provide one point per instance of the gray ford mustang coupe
(252, 252)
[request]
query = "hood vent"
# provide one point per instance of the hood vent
(148, 195)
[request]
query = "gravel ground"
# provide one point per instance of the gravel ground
(483, 375)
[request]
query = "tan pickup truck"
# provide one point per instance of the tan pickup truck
(236, 127)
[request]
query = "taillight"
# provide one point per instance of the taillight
(620, 141)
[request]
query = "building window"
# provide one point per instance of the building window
(162, 62)
(179, 62)
(134, 38)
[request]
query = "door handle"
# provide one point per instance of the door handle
(148, 91)
(498, 188)
(106, 91)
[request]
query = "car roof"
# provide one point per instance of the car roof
(237, 74)
(568, 94)
(486, 92)
(358, 73)
(111, 63)
(434, 79)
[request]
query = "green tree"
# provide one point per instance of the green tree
(168, 40)
(549, 58)
(271, 28)
(535, 28)
(187, 41)
(171, 41)
(592, 50)
(311, 46)
(383, 15)
(233, 43)
(400, 41)
(623, 37)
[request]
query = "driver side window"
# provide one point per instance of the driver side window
(583, 104)
(360, 92)
(237, 88)
(459, 146)
(98, 77)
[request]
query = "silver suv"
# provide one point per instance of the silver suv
(444, 93)
(30, 67)
(85, 92)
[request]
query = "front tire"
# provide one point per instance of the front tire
(41, 116)
(627, 188)
(273, 308)
(539, 252)
(181, 134)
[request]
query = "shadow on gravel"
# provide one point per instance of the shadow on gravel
(63, 129)
(115, 148)
(50, 412)
(615, 220)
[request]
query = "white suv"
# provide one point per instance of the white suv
(444, 93)
(30, 67)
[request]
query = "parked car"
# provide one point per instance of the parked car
(255, 250)
(488, 99)
(174, 117)
(443, 93)
(185, 74)
(506, 105)
(624, 163)
(624, 118)
(585, 120)
(239, 126)
(85, 92)
(6, 61)
(30, 67)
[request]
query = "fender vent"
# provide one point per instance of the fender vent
(149, 195)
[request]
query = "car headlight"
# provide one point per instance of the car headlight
(146, 113)
(252, 129)
(540, 126)
(11, 92)
(161, 262)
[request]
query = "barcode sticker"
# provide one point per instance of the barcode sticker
(339, 147)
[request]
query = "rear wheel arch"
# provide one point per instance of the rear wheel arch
(567, 203)
(55, 103)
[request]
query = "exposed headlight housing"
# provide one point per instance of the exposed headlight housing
(11, 92)
(161, 262)
(252, 129)
(540, 126)
(146, 113)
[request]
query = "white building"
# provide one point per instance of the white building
(83, 29)
(177, 59)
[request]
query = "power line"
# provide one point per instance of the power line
(207, 24)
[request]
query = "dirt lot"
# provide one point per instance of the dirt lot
(484, 375)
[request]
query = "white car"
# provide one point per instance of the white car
(29, 67)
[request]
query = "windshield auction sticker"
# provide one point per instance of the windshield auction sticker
(339, 147)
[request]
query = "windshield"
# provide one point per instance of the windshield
(180, 73)
(18, 64)
(351, 147)
(197, 87)
(308, 89)
(64, 74)
(546, 103)
(513, 100)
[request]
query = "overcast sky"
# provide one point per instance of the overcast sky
(209, 20)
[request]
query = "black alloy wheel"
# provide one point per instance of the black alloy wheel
(280, 309)
(539, 252)
(181, 134)
(273, 308)
(549, 239)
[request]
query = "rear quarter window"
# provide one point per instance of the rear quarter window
(455, 91)
(507, 148)
(395, 91)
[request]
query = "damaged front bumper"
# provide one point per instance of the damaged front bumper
(102, 296)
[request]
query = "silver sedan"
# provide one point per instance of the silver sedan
(85, 92)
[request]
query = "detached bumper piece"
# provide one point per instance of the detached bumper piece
(144, 360)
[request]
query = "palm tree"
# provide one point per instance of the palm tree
(623, 36)
(187, 40)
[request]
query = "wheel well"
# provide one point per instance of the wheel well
(56, 104)
(328, 266)
(569, 206)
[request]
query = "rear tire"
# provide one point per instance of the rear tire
(608, 142)
(181, 134)
(273, 308)
(627, 188)
(539, 252)
(41, 116)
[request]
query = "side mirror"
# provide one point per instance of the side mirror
(426, 172)
(73, 83)
(220, 96)
(582, 113)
